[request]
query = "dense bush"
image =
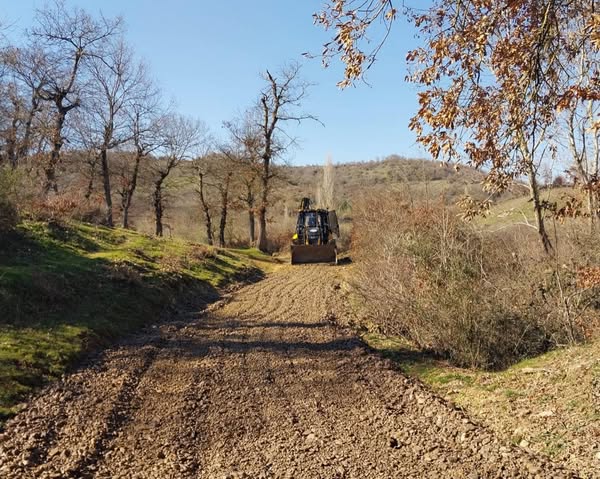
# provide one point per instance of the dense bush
(68, 204)
(480, 299)
(9, 215)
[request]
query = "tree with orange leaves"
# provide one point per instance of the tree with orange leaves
(493, 78)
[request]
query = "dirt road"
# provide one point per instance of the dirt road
(263, 385)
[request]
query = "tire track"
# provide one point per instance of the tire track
(118, 416)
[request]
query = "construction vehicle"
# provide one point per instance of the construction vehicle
(313, 241)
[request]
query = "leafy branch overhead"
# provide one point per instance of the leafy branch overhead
(495, 78)
(351, 21)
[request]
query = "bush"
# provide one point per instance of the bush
(479, 299)
(66, 205)
(9, 215)
(278, 241)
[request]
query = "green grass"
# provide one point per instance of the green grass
(67, 289)
(415, 362)
(520, 210)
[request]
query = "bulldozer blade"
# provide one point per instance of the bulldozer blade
(302, 254)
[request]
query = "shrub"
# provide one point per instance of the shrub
(9, 215)
(278, 241)
(68, 204)
(479, 299)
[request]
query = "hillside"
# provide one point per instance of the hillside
(66, 289)
(352, 180)
(421, 178)
(519, 209)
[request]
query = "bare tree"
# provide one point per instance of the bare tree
(145, 117)
(278, 103)
(117, 83)
(227, 175)
(83, 139)
(246, 140)
(182, 139)
(25, 72)
(68, 37)
(201, 167)
(215, 172)
(582, 63)
(248, 197)
(326, 188)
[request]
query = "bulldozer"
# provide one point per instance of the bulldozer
(313, 240)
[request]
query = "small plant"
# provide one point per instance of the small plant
(125, 272)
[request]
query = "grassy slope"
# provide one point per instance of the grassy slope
(548, 403)
(352, 182)
(67, 289)
(520, 209)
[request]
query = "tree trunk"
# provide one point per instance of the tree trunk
(11, 144)
(249, 200)
(591, 208)
(224, 205)
(206, 210)
(106, 185)
(57, 142)
(50, 172)
(25, 144)
(90, 186)
(126, 204)
(538, 209)
(208, 224)
(130, 190)
(580, 158)
(158, 207)
(251, 227)
(262, 243)
(222, 225)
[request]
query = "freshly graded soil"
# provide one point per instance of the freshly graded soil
(263, 384)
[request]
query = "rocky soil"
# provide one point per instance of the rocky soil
(264, 384)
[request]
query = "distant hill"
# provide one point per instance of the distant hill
(353, 180)
(418, 177)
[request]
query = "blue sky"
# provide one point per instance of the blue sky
(207, 57)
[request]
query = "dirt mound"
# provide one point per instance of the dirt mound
(262, 385)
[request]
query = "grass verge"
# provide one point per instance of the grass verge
(66, 289)
(549, 404)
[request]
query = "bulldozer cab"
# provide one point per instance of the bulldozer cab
(313, 241)
(312, 228)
